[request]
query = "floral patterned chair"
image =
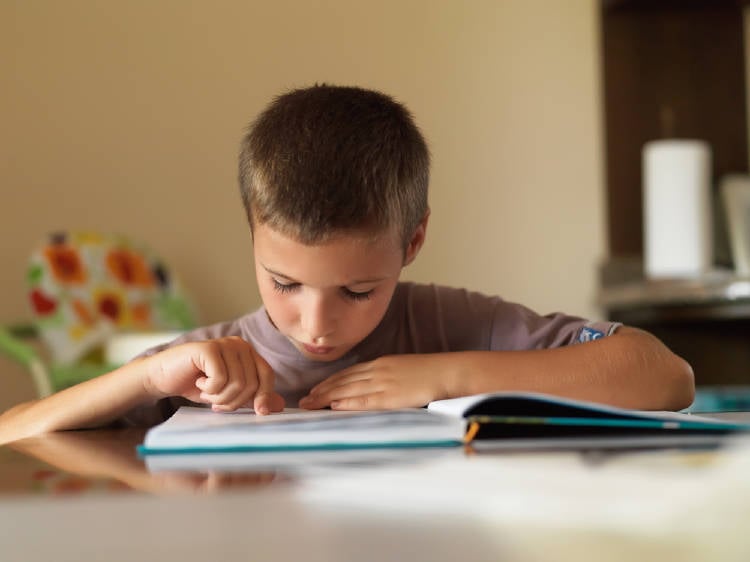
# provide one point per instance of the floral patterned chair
(83, 288)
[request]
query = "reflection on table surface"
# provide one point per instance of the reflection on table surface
(62, 499)
(82, 462)
(105, 460)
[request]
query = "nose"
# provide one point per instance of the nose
(318, 318)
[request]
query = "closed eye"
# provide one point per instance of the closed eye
(355, 296)
(284, 287)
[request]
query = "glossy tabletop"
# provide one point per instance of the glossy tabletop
(86, 495)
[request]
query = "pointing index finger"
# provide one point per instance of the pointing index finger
(266, 399)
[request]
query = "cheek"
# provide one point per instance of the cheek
(370, 315)
(279, 307)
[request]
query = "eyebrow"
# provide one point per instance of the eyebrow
(357, 282)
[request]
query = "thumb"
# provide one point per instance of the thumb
(266, 399)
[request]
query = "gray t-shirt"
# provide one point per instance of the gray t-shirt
(419, 319)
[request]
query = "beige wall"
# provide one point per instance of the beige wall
(746, 31)
(125, 116)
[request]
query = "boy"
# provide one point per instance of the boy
(334, 183)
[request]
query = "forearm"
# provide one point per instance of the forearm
(89, 404)
(630, 369)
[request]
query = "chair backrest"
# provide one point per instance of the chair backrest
(84, 286)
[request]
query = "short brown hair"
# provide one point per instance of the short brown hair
(329, 159)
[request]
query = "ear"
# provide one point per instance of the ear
(417, 240)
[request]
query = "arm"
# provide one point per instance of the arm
(226, 373)
(629, 369)
(89, 404)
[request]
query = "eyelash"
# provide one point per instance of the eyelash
(351, 295)
(284, 288)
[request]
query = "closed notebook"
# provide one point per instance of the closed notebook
(510, 417)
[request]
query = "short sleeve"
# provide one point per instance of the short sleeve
(444, 319)
(517, 327)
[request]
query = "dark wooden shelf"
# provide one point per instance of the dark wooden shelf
(706, 321)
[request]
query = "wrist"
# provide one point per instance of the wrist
(473, 372)
(147, 377)
(454, 378)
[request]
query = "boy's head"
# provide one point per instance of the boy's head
(324, 161)
(334, 182)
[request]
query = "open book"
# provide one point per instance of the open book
(194, 429)
(520, 419)
(510, 417)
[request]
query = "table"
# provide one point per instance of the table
(85, 495)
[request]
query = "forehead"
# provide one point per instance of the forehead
(341, 260)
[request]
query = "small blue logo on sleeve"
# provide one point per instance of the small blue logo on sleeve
(589, 334)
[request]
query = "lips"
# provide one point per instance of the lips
(317, 349)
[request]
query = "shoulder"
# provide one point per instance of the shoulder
(445, 318)
(472, 318)
(441, 297)
(242, 326)
(516, 326)
(439, 303)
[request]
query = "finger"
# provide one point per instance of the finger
(350, 390)
(240, 374)
(248, 379)
(201, 382)
(245, 397)
(267, 402)
(266, 399)
(320, 396)
(211, 363)
(374, 401)
(341, 378)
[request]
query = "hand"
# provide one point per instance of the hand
(391, 381)
(227, 373)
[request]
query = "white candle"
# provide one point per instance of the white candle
(735, 192)
(677, 227)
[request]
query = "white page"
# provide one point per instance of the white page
(193, 427)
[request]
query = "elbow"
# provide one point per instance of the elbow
(680, 384)
(671, 381)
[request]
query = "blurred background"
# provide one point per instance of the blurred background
(126, 117)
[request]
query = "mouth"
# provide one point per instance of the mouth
(317, 349)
